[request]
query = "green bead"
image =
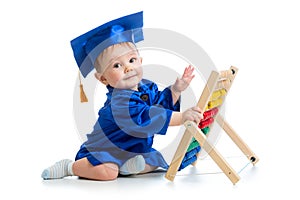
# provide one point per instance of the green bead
(205, 130)
(193, 145)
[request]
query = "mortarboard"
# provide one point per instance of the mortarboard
(88, 47)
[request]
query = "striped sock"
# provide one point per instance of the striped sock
(133, 165)
(59, 170)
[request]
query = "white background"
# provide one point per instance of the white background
(38, 76)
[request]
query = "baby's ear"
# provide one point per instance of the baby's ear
(101, 78)
(141, 60)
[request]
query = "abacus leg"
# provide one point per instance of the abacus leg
(179, 155)
(237, 139)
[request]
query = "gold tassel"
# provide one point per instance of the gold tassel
(83, 97)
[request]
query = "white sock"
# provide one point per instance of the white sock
(59, 170)
(133, 165)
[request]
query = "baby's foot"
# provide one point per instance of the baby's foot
(133, 165)
(59, 170)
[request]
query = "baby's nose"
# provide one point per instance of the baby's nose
(128, 68)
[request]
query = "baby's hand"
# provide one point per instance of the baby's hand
(192, 114)
(182, 83)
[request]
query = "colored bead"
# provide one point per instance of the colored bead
(193, 145)
(206, 123)
(215, 103)
(217, 94)
(205, 130)
(209, 113)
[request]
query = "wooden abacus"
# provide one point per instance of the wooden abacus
(211, 100)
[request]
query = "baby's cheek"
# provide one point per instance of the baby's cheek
(140, 71)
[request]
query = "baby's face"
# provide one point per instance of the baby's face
(125, 71)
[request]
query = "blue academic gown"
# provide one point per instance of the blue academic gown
(127, 124)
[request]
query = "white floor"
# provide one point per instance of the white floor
(38, 76)
(275, 175)
(267, 181)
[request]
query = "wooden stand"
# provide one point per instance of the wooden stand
(216, 82)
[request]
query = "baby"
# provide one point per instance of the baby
(134, 111)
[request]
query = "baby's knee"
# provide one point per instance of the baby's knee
(111, 174)
(108, 172)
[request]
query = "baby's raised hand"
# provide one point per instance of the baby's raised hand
(182, 83)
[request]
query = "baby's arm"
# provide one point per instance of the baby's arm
(182, 83)
(192, 114)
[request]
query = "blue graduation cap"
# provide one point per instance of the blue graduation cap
(87, 47)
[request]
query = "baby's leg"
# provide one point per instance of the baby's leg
(103, 172)
(82, 168)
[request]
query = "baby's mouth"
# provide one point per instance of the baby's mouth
(128, 76)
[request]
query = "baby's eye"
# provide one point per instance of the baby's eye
(117, 65)
(132, 60)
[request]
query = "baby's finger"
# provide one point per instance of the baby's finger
(197, 117)
(199, 111)
(185, 73)
(190, 69)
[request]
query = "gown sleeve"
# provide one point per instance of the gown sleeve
(165, 99)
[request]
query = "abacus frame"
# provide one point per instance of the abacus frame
(217, 80)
